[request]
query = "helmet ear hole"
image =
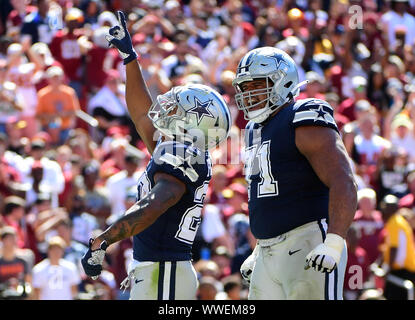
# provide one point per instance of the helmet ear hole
(288, 84)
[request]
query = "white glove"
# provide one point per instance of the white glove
(326, 256)
(248, 265)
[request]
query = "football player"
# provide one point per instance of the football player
(302, 195)
(164, 220)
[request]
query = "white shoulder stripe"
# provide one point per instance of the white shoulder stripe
(177, 162)
(313, 115)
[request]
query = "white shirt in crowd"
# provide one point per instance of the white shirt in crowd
(106, 99)
(407, 143)
(83, 227)
(212, 226)
(393, 20)
(55, 281)
(370, 149)
(118, 186)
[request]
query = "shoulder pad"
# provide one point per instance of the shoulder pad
(179, 157)
(313, 112)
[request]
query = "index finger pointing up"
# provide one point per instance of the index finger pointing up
(121, 19)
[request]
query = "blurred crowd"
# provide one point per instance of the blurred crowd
(71, 158)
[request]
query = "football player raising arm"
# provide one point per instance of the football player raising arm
(137, 94)
(163, 222)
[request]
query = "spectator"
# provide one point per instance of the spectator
(217, 185)
(359, 92)
(396, 17)
(9, 102)
(376, 90)
(223, 258)
(232, 286)
(67, 50)
(41, 56)
(83, 223)
(118, 185)
(57, 105)
(369, 147)
(403, 135)
(213, 229)
(16, 146)
(391, 173)
(155, 77)
(9, 176)
(175, 64)
(39, 25)
(216, 52)
(21, 72)
(314, 88)
(15, 272)
(368, 224)
(95, 57)
(13, 215)
(333, 99)
(108, 102)
(398, 251)
(357, 270)
(208, 288)
(46, 173)
(242, 238)
(236, 197)
(55, 278)
(74, 250)
(408, 201)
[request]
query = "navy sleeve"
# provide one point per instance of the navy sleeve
(184, 162)
(30, 29)
(314, 112)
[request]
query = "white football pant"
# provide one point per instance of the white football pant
(279, 274)
(167, 280)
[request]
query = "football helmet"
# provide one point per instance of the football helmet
(281, 75)
(194, 112)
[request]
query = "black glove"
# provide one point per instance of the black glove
(120, 38)
(93, 259)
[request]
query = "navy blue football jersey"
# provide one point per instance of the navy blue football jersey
(284, 191)
(171, 236)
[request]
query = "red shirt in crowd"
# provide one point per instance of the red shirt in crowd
(346, 108)
(95, 72)
(7, 174)
(356, 258)
(369, 229)
(65, 48)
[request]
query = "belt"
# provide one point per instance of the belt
(282, 237)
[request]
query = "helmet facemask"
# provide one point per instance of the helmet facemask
(280, 73)
(169, 117)
(247, 100)
(193, 113)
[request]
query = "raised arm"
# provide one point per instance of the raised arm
(139, 102)
(137, 94)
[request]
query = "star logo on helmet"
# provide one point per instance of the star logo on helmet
(320, 114)
(201, 109)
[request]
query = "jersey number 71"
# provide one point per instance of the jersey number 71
(258, 159)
